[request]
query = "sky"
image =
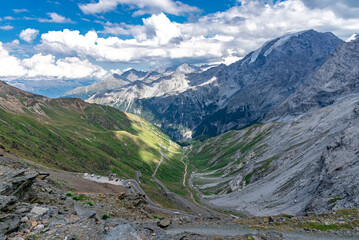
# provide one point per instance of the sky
(78, 39)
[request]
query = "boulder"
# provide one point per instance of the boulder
(9, 223)
(123, 232)
(37, 212)
(84, 212)
(164, 223)
(17, 183)
(6, 202)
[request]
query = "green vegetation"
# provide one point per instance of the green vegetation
(80, 198)
(72, 135)
(171, 172)
(76, 198)
(265, 164)
(247, 178)
(228, 154)
(224, 148)
(320, 226)
(90, 203)
(334, 199)
(105, 216)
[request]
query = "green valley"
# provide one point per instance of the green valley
(73, 135)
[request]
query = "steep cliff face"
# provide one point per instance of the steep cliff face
(336, 78)
(186, 103)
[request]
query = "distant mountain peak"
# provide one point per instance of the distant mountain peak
(269, 46)
(354, 37)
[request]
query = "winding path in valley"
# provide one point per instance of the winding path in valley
(195, 209)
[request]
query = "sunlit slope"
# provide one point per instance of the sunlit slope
(73, 135)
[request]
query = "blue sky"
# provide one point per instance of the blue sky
(64, 39)
(21, 14)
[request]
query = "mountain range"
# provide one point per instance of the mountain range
(188, 103)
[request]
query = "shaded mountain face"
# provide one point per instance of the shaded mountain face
(335, 79)
(225, 97)
(305, 161)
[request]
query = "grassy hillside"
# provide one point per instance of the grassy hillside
(73, 135)
(218, 160)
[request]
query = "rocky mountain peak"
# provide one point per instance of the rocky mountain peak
(335, 79)
(354, 37)
(286, 41)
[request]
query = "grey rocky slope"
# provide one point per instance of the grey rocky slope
(306, 161)
(337, 77)
(309, 165)
(225, 97)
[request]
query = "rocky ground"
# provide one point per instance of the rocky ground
(33, 206)
(340, 222)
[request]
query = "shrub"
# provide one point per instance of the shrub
(105, 216)
(76, 198)
(80, 198)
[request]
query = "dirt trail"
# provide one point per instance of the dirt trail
(215, 213)
(159, 164)
(185, 170)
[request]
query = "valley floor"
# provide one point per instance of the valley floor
(91, 210)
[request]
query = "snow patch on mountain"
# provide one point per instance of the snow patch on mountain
(282, 40)
(353, 38)
(278, 42)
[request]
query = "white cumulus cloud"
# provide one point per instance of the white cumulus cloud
(29, 34)
(222, 36)
(47, 66)
(56, 18)
(10, 66)
(145, 6)
(219, 37)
